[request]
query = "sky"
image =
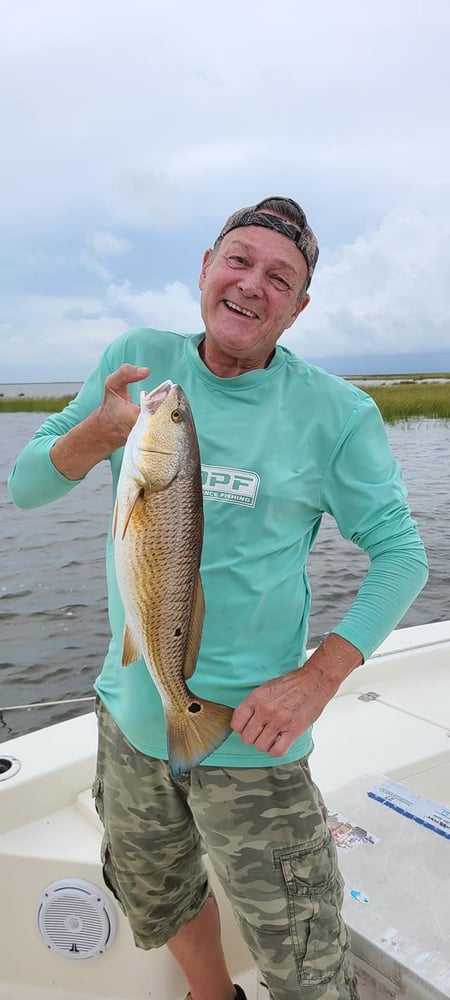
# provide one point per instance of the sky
(130, 129)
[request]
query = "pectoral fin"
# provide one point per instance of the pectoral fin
(132, 501)
(130, 651)
(195, 629)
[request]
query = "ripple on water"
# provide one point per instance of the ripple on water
(53, 594)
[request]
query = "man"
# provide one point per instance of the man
(281, 443)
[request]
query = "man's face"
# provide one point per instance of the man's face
(250, 291)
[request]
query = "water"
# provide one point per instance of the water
(33, 390)
(53, 613)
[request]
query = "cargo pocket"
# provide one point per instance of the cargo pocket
(97, 795)
(109, 875)
(314, 890)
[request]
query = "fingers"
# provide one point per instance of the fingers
(242, 715)
(119, 379)
(266, 735)
(250, 729)
(118, 414)
(282, 744)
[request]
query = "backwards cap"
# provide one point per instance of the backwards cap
(270, 217)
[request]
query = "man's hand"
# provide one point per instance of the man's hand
(279, 711)
(117, 414)
(104, 430)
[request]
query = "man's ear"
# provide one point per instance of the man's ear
(205, 262)
(298, 309)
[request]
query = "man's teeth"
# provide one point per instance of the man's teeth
(245, 312)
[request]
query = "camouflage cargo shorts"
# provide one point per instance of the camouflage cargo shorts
(265, 832)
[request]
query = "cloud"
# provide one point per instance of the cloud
(64, 334)
(128, 138)
(129, 118)
(387, 291)
(384, 293)
(173, 308)
(68, 333)
(105, 244)
(98, 246)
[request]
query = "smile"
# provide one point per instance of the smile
(239, 309)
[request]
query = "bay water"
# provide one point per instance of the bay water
(53, 611)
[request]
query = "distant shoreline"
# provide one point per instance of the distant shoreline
(34, 404)
(405, 377)
(399, 397)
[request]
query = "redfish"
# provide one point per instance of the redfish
(158, 535)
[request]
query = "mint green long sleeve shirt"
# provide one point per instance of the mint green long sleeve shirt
(279, 447)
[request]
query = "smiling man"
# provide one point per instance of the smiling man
(254, 285)
(281, 443)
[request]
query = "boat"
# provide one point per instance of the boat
(382, 761)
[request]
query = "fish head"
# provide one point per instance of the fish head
(164, 441)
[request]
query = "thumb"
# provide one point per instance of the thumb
(124, 375)
(133, 373)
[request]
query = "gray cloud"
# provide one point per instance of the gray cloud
(121, 122)
(389, 290)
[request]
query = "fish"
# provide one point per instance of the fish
(158, 535)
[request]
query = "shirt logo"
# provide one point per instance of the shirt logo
(230, 485)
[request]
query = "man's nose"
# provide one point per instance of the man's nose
(251, 282)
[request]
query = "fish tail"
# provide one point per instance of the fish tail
(195, 732)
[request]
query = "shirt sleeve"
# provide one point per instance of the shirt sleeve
(363, 490)
(34, 479)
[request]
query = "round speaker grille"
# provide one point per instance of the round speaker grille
(76, 918)
(9, 766)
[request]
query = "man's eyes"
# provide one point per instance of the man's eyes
(237, 261)
(281, 282)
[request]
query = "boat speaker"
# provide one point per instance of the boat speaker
(76, 919)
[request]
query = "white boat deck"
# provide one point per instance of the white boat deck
(49, 830)
(404, 731)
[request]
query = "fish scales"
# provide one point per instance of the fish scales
(164, 604)
(158, 534)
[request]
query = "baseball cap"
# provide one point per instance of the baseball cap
(284, 216)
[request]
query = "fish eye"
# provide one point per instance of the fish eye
(176, 416)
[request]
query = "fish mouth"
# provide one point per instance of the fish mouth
(151, 401)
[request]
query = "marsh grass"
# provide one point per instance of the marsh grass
(405, 378)
(407, 400)
(398, 401)
(39, 404)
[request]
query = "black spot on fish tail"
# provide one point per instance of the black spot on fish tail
(195, 732)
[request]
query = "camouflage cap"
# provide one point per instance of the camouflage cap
(296, 229)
